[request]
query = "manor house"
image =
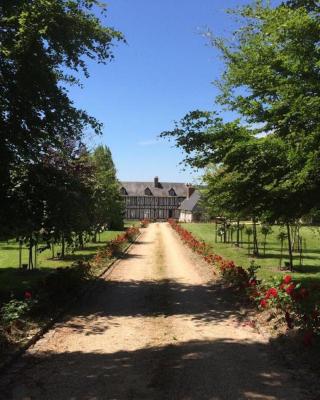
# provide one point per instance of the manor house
(154, 200)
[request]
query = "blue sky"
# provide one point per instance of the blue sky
(165, 70)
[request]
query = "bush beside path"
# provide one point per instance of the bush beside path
(24, 318)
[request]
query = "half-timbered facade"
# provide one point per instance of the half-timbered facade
(153, 200)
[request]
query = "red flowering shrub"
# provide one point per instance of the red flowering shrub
(263, 303)
(115, 247)
(289, 289)
(287, 279)
(298, 305)
(27, 295)
(232, 274)
(131, 234)
(272, 292)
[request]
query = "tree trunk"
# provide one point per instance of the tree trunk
(216, 233)
(81, 245)
(290, 247)
(238, 232)
(94, 239)
(35, 254)
(255, 239)
(264, 245)
(20, 253)
(281, 252)
(30, 262)
(63, 246)
(300, 250)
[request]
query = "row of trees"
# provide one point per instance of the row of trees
(265, 163)
(51, 187)
(64, 200)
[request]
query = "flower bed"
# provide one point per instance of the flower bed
(115, 247)
(22, 318)
(294, 304)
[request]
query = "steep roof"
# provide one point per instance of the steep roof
(191, 203)
(138, 188)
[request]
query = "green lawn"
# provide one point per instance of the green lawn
(308, 272)
(13, 280)
(132, 222)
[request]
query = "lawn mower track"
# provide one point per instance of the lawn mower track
(157, 327)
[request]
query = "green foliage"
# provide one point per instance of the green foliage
(252, 270)
(307, 273)
(107, 202)
(14, 310)
(265, 164)
(44, 44)
(282, 236)
(272, 80)
(266, 230)
(63, 283)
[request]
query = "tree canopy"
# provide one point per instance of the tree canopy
(51, 187)
(44, 46)
(265, 162)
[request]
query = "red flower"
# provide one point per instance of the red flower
(263, 303)
(282, 286)
(272, 292)
(287, 279)
(27, 295)
(290, 289)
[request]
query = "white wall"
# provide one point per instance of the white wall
(185, 216)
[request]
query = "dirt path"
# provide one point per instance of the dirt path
(155, 328)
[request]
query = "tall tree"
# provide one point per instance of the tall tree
(108, 207)
(44, 43)
(52, 199)
(272, 79)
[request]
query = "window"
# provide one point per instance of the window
(123, 192)
(147, 192)
(172, 192)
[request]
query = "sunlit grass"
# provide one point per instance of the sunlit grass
(13, 280)
(308, 271)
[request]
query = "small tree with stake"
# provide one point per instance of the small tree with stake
(265, 230)
(282, 236)
(249, 232)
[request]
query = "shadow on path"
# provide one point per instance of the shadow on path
(204, 303)
(196, 370)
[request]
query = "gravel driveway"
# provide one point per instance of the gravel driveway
(157, 327)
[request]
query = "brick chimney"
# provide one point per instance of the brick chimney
(156, 182)
(190, 190)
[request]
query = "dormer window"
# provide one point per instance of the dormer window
(123, 192)
(147, 192)
(172, 192)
